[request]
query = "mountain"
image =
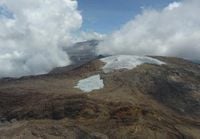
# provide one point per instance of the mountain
(196, 61)
(80, 53)
(116, 97)
(83, 52)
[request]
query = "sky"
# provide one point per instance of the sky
(173, 30)
(33, 33)
(105, 16)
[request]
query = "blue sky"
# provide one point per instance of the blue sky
(105, 16)
(4, 11)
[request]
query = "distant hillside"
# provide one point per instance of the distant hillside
(82, 51)
(79, 53)
(196, 61)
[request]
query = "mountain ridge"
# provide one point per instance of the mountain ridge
(149, 101)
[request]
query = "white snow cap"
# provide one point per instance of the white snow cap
(91, 83)
(127, 62)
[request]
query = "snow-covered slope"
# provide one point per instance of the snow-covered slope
(91, 83)
(127, 62)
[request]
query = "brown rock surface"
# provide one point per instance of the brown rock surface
(148, 102)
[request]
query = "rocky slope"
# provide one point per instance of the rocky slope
(147, 102)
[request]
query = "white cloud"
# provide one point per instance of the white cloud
(84, 36)
(172, 32)
(31, 41)
(173, 5)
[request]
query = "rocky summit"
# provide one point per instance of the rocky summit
(137, 98)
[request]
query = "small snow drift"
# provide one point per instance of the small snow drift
(127, 62)
(91, 83)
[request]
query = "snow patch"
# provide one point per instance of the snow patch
(127, 62)
(91, 83)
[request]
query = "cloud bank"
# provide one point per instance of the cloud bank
(172, 31)
(85, 36)
(32, 33)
